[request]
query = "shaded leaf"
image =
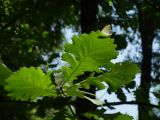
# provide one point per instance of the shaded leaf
(131, 85)
(4, 73)
(123, 117)
(120, 41)
(91, 80)
(120, 74)
(74, 91)
(120, 94)
(64, 114)
(99, 115)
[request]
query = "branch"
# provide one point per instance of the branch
(61, 89)
(132, 103)
(17, 102)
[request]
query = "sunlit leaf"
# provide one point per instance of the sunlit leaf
(87, 53)
(29, 83)
(95, 101)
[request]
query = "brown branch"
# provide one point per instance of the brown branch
(132, 103)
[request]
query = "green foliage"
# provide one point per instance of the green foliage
(63, 114)
(29, 83)
(120, 95)
(123, 117)
(97, 115)
(100, 115)
(117, 76)
(25, 31)
(4, 73)
(88, 53)
(91, 80)
(120, 74)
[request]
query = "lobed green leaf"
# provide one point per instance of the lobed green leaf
(29, 83)
(120, 74)
(87, 53)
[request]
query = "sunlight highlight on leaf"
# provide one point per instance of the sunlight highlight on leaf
(29, 83)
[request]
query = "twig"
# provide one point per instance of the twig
(61, 89)
(132, 103)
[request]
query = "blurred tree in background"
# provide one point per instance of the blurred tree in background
(31, 33)
(30, 30)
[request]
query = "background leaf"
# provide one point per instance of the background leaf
(120, 94)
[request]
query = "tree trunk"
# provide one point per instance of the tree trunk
(146, 28)
(88, 19)
(89, 9)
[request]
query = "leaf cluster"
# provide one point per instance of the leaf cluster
(90, 53)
